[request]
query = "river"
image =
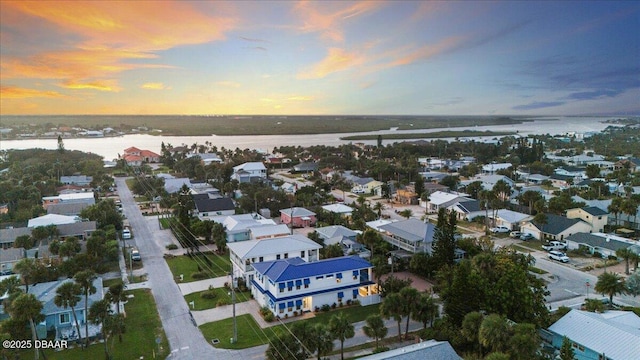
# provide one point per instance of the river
(111, 147)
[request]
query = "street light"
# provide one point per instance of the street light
(233, 302)
(605, 257)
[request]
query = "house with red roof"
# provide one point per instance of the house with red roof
(136, 157)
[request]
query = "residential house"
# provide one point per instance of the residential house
(468, 209)
(305, 167)
(434, 177)
(633, 164)
(173, 185)
(563, 181)
(374, 187)
(269, 231)
(59, 320)
(489, 181)
(406, 197)
(77, 197)
(605, 244)
(8, 258)
(612, 335)
(79, 180)
(430, 188)
(298, 217)
(556, 227)
(337, 208)
(376, 224)
(494, 167)
(573, 171)
(411, 235)
(68, 209)
(52, 219)
(290, 286)
(430, 349)
(249, 171)
(239, 227)
(81, 230)
(338, 234)
(207, 206)
(206, 158)
(136, 157)
(536, 179)
(592, 215)
(245, 254)
(510, 219)
(442, 200)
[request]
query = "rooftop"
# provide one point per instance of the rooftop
(412, 230)
(296, 268)
(257, 248)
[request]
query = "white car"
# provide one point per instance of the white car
(555, 245)
(558, 256)
(500, 229)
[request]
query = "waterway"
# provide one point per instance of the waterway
(111, 147)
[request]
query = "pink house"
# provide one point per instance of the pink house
(298, 217)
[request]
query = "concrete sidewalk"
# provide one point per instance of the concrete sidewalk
(202, 285)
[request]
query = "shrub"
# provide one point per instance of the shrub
(264, 311)
(295, 313)
(325, 307)
(286, 316)
(172, 247)
(268, 317)
(208, 295)
(200, 275)
(222, 302)
(348, 302)
(316, 309)
(333, 306)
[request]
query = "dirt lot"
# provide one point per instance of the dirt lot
(418, 283)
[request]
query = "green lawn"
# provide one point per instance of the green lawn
(220, 266)
(533, 245)
(142, 328)
(250, 335)
(222, 297)
(520, 248)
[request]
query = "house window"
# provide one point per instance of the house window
(302, 254)
(261, 259)
(306, 283)
(253, 260)
(286, 255)
(64, 318)
(278, 257)
(330, 276)
(319, 277)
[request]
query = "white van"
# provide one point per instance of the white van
(126, 234)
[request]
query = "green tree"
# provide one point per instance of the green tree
(610, 284)
(410, 297)
(524, 342)
(26, 268)
(494, 333)
(85, 279)
(68, 295)
(471, 327)
(474, 189)
(392, 308)
(341, 329)
(104, 213)
(566, 351)
(419, 186)
(626, 254)
(393, 285)
(592, 171)
(219, 236)
(375, 328)
(529, 198)
(540, 220)
(633, 283)
(406, 213)
(324, 339)
(332, 251)
(425, 311)
(285, 347)
(99, 314)
(594, 305)
(615, 207)
(116, 325)
(444, 242)
(27, 308)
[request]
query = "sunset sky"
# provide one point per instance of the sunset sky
(329, 57)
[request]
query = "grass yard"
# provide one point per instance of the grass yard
(532, 245)
(249, 332)
(222, 298)
(220, 266)
(253, 336)
(520, 248)
(143, 327)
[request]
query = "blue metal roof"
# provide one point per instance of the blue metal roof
(296, 268)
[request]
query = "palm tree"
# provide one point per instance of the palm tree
(27, 308)
(615, 207)
(68, 295)
(610, 284)
(494, 333)
(26, 268)
(392, 308)
(410, 298)
(630, 208)
(540, 221)
(341, 329)
(85, 279)
(626, 254)
(116, 291)
(425, 310)
(100, 313)
(324, 339)
(378, 207)
(633, 284)
(407, 213)
(375, 328)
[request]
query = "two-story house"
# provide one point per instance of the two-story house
(209, 205)
(411, 235)
(251, 170)
(293, 285)
(592, 215)
(245, 254)
(298, 217)
(72, 198)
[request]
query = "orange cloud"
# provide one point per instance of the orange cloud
(328, 23)
(11, 92)
(109, 35)
(102, 85)
(336, 60)
(155, 86)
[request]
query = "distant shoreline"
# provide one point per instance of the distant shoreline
(250, 125)
(432, 135)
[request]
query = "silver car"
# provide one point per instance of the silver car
(558, 256)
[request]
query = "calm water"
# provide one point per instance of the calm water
(110, 147)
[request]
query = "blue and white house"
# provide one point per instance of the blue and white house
(289, 285)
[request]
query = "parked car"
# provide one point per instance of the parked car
(526, 237)
(515, 234)
(135, 255)
(558, 256)
(555, 245)
(126, 234)
(500, 229)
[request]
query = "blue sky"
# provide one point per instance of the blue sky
(330, 57)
